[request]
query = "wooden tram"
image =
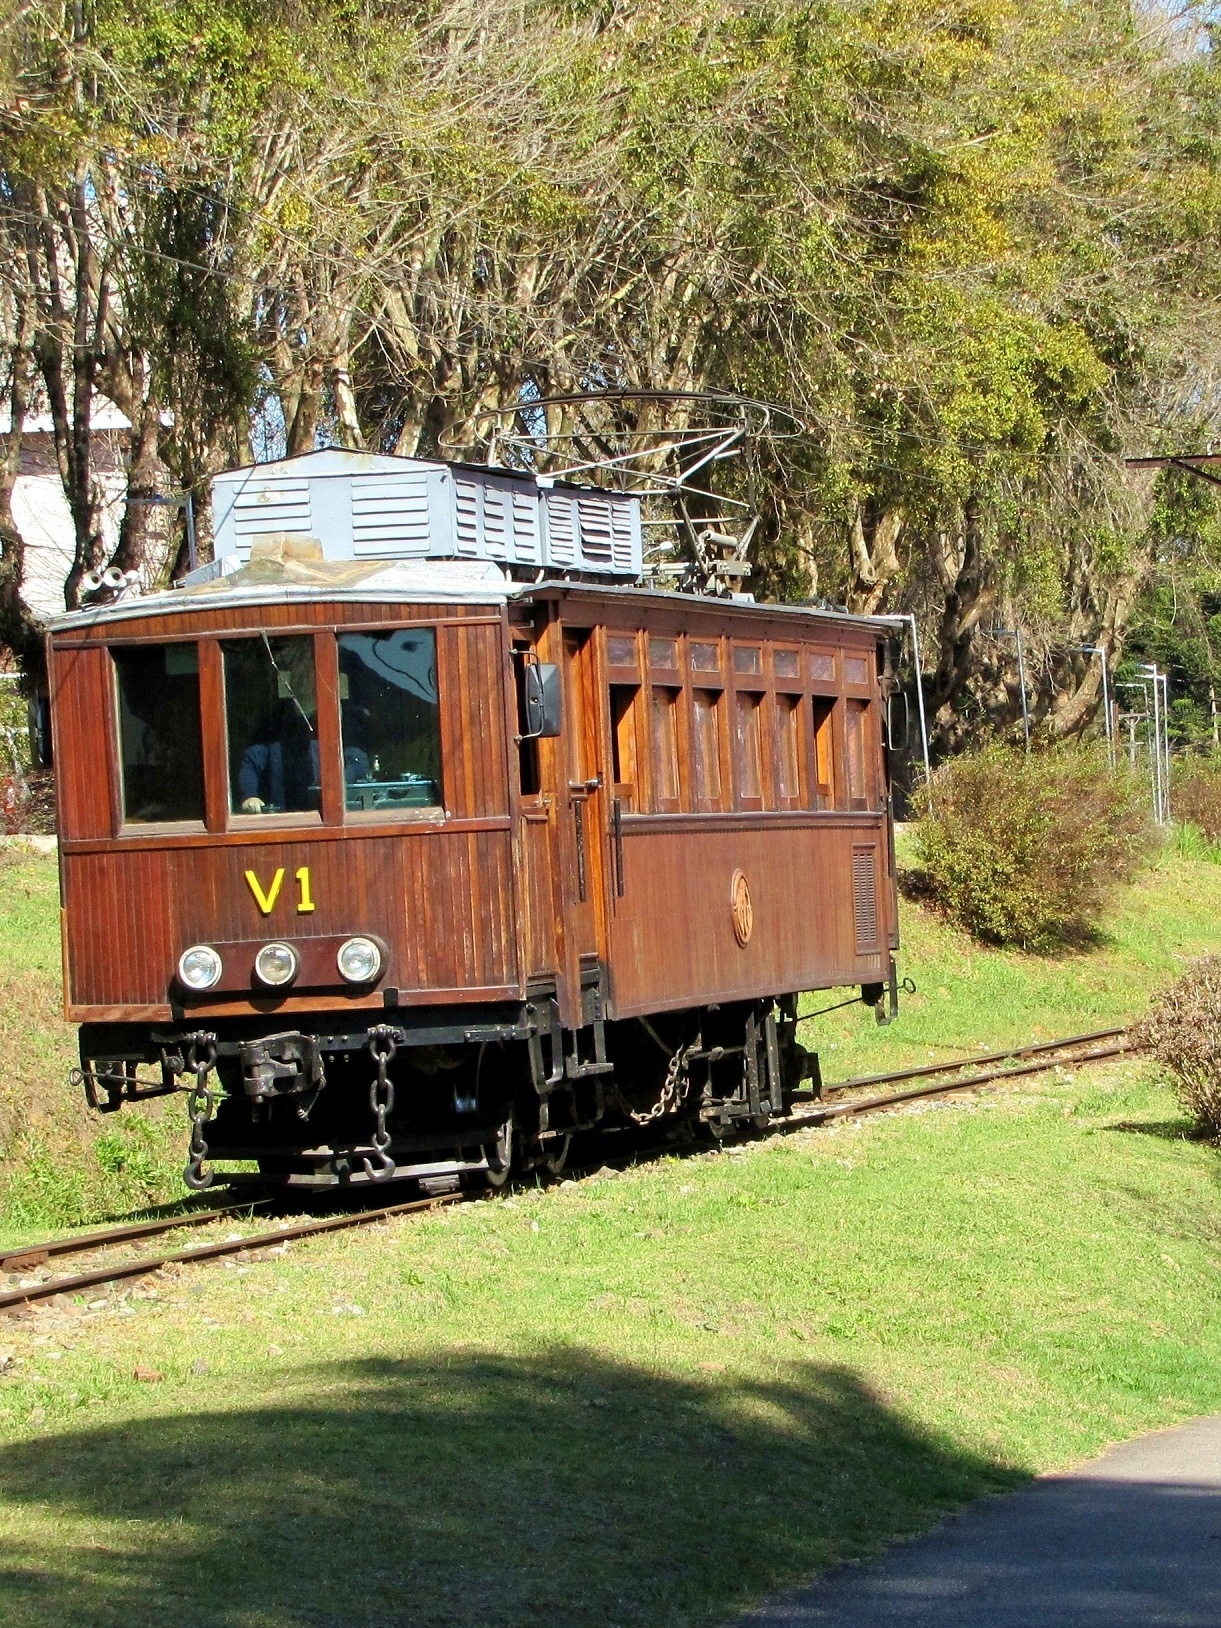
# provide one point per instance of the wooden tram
(415, 839)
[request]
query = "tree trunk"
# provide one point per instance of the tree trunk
(18, 629)
(964, 603)
(874, 552)
(143, 488)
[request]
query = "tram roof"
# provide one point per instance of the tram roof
(268, 581)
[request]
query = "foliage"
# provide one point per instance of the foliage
(1189, 842)
(975, 244)
(1195, 794)
(1183, 1029)
(1024, 849)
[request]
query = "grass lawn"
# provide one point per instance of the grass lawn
(647, 1398)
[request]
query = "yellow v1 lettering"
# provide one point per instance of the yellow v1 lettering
(304, 903)
(266, 901)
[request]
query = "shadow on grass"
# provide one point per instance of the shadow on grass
(1167, 1130)
(562, 1491)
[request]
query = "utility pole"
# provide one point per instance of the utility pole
(1015, 633)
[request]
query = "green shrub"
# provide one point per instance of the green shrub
(1195, 795)
(1023, 849)
(1183, 1030)
(1189, 842)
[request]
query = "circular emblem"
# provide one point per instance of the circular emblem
(743, 914)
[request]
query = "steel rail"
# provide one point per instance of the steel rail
(145, 1265)
(960, 1063)
(844, 1110)
(30, 1255)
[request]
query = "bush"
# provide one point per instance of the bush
(1195, 795)
(1023, 849)
(1183, 1030)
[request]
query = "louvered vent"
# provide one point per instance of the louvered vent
(390, 517)
(865, 899)
(496, 508)
(625, 539)
(466, 496)
(370, 507)
(526, 545)
(597, 530)
(561, 528)
(270, 506)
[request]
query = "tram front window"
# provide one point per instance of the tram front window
(159, 732)
(389, 712)
(271, 712)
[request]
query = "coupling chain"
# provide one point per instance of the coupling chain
(674, 1090)
(199, 1058)
(382, 1045)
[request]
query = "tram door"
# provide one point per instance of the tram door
(583, 817)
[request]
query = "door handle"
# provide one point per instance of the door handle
(584, 788)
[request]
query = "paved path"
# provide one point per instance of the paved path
(1133, 1538)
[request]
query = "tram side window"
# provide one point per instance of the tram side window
(788, 750)
(665, 749)
(390, 718)
(160, 741)
(748, 754)
(706, 748)
(271, 718)
(623, 699)
(856, 725)
(824, 758)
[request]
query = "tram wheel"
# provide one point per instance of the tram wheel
(499, 1154)
(555, 1153)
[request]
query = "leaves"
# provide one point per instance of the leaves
(975, 243)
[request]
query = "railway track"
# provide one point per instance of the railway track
(937, 1079)
(142, 1266)
(966, 1073)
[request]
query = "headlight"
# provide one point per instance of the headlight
(359, 960)
(276, 965)
(199, 967)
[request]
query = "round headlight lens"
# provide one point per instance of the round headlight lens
(276, 964)
(199, 967)
(359, 960)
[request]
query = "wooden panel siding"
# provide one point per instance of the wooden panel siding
(82, 693)
(437, 885)
(672, 936)
(442, 901)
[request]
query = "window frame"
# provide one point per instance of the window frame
(673, 704)
(792, 702)
(121, 824)
(408, 814)
(287, 819)
(621, 675)
(754, 684)
(720, 711)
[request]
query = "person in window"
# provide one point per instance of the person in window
(282, 775)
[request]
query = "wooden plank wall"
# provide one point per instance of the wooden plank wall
(439, 889)
(672, 935)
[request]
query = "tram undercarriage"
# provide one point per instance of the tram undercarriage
(462, 1096)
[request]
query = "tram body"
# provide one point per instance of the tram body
(416, 868)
